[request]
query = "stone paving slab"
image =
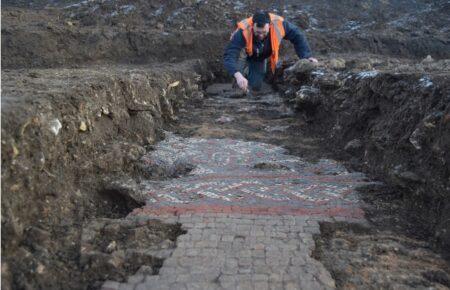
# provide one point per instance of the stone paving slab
(236, 251)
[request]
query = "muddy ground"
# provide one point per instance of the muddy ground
(87, 89)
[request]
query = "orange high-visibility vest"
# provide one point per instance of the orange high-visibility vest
(276, 35)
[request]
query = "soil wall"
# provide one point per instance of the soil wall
(68, 136)
(392, 124)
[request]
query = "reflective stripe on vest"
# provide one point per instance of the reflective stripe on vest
(276, 35)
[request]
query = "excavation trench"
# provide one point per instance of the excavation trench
(153, 143)
(85, 187)
(221, 152)
(233, 146)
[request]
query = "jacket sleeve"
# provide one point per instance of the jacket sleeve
(232, 52)
(298, 39)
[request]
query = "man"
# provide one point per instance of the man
(261, 36)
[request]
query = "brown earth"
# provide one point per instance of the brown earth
(70, 139)
(88, 87)
(69, 34)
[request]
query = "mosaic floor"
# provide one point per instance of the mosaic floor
(231, 175)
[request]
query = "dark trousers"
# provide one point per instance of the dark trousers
(254, 71)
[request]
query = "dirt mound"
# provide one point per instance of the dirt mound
(74, 33)
(52, 43)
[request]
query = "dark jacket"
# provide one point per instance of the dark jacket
(263, 49)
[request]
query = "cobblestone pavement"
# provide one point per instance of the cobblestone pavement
(250, 211)
(238, 251)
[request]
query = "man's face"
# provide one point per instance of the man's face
(261, 32)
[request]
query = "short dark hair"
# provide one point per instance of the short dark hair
(261, 18)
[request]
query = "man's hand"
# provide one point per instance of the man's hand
(242, 82)
(312, 59)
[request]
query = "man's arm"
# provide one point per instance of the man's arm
(298, 39)
(232, 52)
(231, 57)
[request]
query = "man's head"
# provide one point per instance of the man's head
(261, 22)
